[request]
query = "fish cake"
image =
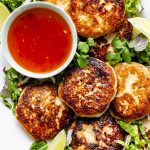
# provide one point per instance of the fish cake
(96, 134)
(89, 91)
(41, 113)
(132, 101)
(94, 18)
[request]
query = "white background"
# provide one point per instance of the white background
(12, 136)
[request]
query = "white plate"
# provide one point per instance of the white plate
(12, 136)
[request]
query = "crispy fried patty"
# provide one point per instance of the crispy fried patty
(96, 134)
(94, 18)
(90, 90)
(41, 113)
(132, 101)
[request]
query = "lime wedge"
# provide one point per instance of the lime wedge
(140, 25)
(4, 13)
(58, 142)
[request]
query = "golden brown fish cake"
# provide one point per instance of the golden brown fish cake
(132, 101)
(96, 134)
(89, 91)
(94, 18)
(41, 113)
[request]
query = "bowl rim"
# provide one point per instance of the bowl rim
(9, 21)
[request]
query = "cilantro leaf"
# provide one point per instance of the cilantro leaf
(111, 56)
(118, 44)
(82, 61)
(126, 55)
(137, 50)
(39, 145)
(90, 42)
(12, 4)
(83, 47)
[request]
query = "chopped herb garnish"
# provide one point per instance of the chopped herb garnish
(82, 53)
(39, 145)
(12, 4)
(137, 50)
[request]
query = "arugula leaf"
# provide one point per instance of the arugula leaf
(12, 4)
(131, 7)
(39, 145)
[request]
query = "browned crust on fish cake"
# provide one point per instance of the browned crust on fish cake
(90, 90)
(133, 104)
(40, 113)
(104, 131)
(101, 48)
(125, 29)
(94, 18)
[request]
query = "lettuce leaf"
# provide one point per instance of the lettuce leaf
(132, 7)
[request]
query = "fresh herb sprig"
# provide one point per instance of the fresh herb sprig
(82, 52)
(68, 148)
(39, 145)
(137, 50)
(137, 138)
(14, 85)
(10, 89)
(12, 4)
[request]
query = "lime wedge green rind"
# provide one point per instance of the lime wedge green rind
(58, 142)
(140, 25)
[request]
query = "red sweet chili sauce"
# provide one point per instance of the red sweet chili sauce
(40, 40)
